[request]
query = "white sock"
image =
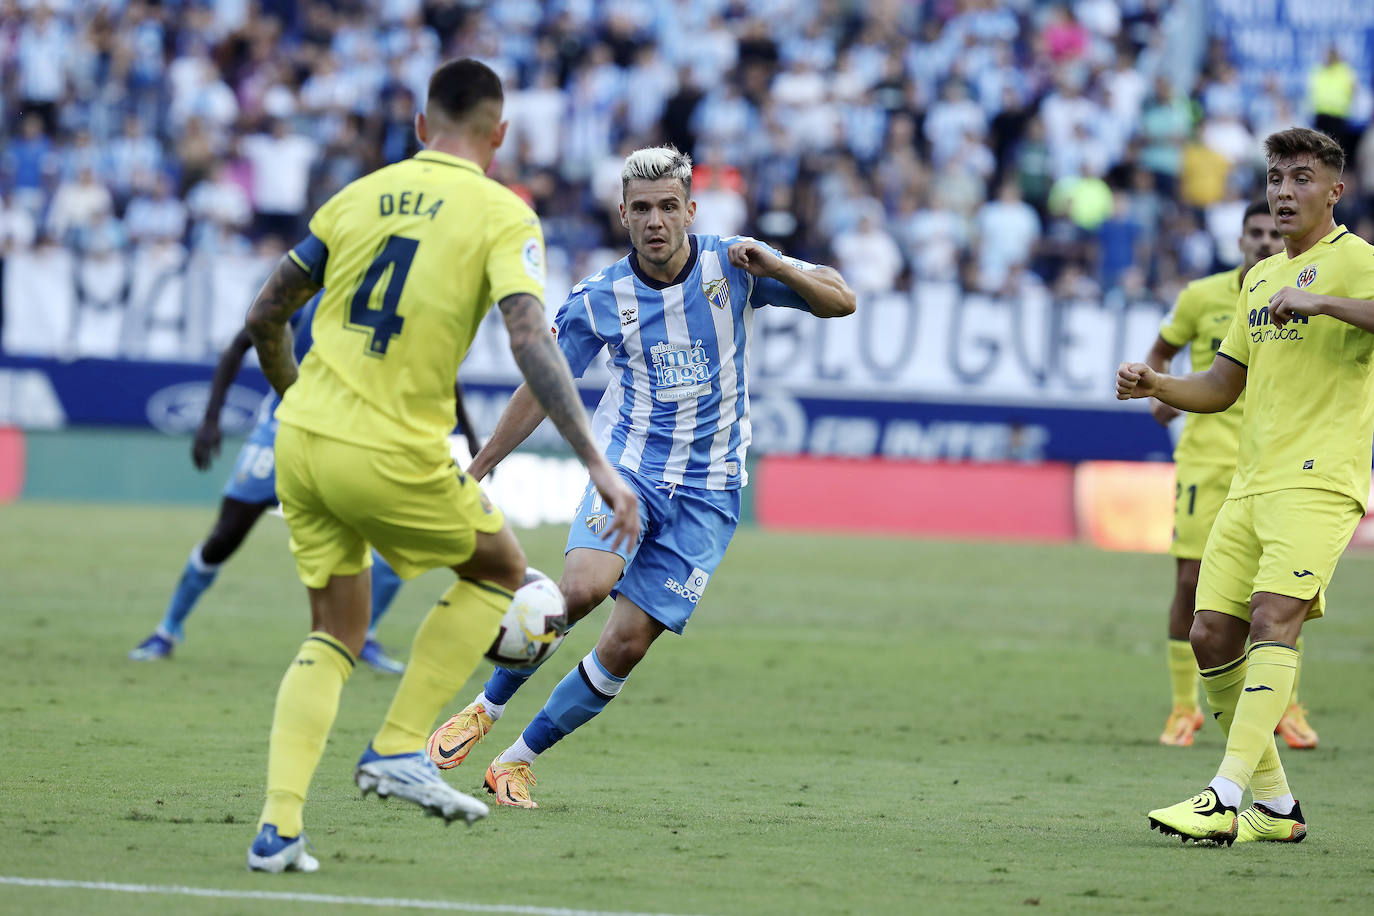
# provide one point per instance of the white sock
(492, 709)
(517, 752)
(1228, 792)
(199, 563)
(1281, 805)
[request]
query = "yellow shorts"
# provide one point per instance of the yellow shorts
(1286, 542)
(1199, 491)
(339, 498)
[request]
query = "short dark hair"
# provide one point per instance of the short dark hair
(1304, 141)
(458, 86)
(1256, 207)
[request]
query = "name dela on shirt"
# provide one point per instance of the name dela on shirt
(407, 203)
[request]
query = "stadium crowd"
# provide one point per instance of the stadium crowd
(1097, 148)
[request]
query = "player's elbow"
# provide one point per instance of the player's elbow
(843, 302)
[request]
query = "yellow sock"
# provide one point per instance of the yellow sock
(1297, 673)
(307, 702)
(1268, 684)
(1183, 675)
(1222, 686)
(449, 644)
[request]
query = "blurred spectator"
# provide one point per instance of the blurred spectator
(1034, 168)
(933, 235)
(281, 170)
(1224, 96)
(1202, 179)
(1063, 37)
(721, 207)
(1330, 93)
(1118, 239)
(1192, 245)
(1006, 230)
(951, 119)
(76, 205)
(30, 160)
(1165, 125)
(18, 228)
(42, 51)
(536, 115)
(135, 157)
(1221, 220)
(221, 212)
(157, 217)
(1227, 134)
(868, 257)
(1083, 198)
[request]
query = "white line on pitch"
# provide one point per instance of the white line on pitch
(177, 890)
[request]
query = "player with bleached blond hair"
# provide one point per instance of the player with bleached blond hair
(675, 315)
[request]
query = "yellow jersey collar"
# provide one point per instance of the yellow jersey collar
(431, 155)
(1334, 234)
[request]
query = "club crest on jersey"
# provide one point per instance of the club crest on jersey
(683, 372)
(717, 292)
(1309, 273)
(597, 523)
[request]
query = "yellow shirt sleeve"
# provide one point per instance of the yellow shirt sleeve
(1237, 342)
(1180, 325)
(515, 259)
(323, 223)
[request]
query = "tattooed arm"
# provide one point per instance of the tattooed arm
(549, 379)
(286, 290)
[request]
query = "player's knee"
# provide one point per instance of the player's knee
(1204, 636)
(221, 544)
(621, 651)
(582, 596)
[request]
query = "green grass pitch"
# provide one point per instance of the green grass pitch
(850, 726)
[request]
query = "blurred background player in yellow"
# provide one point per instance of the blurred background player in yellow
(1302, 343)
(411, 258)
(1205, 460)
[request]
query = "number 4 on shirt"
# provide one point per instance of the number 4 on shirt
(381, 323)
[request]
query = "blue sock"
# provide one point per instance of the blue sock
(583, 693)
(503, 683)
(385, 584)
(195, 579)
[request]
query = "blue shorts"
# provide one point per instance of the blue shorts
(683, 535)
(254, 479)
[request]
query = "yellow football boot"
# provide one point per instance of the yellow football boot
(1202, 819)
(1259, 824)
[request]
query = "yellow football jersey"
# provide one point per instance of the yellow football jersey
(1309, 414)
(1199, 320)
(411, 257)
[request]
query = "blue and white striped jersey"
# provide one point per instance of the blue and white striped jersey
(677, 406)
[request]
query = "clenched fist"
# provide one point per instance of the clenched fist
(1135, 380)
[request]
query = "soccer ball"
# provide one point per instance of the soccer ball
(533, 625)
